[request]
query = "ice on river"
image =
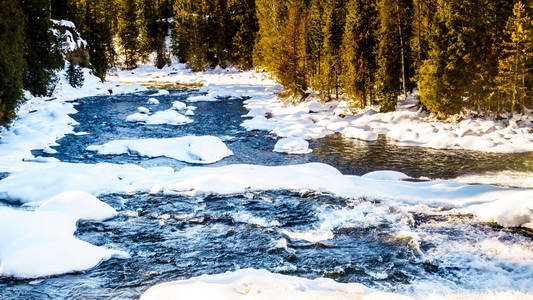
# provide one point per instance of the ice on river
(42, 243)
(483, 201)
(191, 149)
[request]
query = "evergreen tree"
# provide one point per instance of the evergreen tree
(129, 32)
(99, 36)
(271, 15)
(149, 31)
(74, 75)
(244, 23)
(291, 70)
(334, 18)
(42, 54)
(358, 51)
(392, 53)
(315, 44)
(443, 79)
(181, 26)
(515, 66)
(11, 58)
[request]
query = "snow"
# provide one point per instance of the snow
(257, 284)
(161, 92)
(170, 117)
(153, 101)
(404, 127)
(143, 110)
(42, 243)
(292, 146)
(191, 149)
(254, 284)
(501, 178)
(38, 182)
(178, 105)
(79, 204)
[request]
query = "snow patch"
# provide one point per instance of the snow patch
(170, 117)
(292, 146)
(191, 149)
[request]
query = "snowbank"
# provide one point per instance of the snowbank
(405, 127)
(37, 182)
(191, 149)
(42, 243)
(254, 284)
(262, 284)
(79, 204)
(170, 117)
(292, 146)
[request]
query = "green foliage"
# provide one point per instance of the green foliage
(75, 75)
(334, 19)
(291, 65)
(11, 59)
(515, 66)
(244, 24)
(443, 79)
(392, 51)
(128, 32)
(358, 51)
(42, 54)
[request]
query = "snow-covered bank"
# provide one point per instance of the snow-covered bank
(42, 121)
(42, 243)
(261, 284)
(312, 119)
(406, 126)
(38, 182)
(191, 149)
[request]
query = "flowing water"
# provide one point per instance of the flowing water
(304, 234)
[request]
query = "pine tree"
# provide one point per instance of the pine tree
(443, 79)
(271, 16)
(334, 18)
(42, 53)
(315, 44)
(99, 36)
(11, 59)
(358, 51)
(392, 53)
(291, 70)
(515, 66)
(129, 32)
(149, 31)
(74, 75)
(244, 28)
(181, 26)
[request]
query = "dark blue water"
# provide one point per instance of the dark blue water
(177, 237)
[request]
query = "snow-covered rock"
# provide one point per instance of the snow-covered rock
(36, 244)
(178, 105)
(79, 204)
(153, 101)
(292, 146)
(143, 110)
(170, 117)
(191, 149)
(161, 92)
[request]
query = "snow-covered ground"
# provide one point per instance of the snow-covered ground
(58, 194)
